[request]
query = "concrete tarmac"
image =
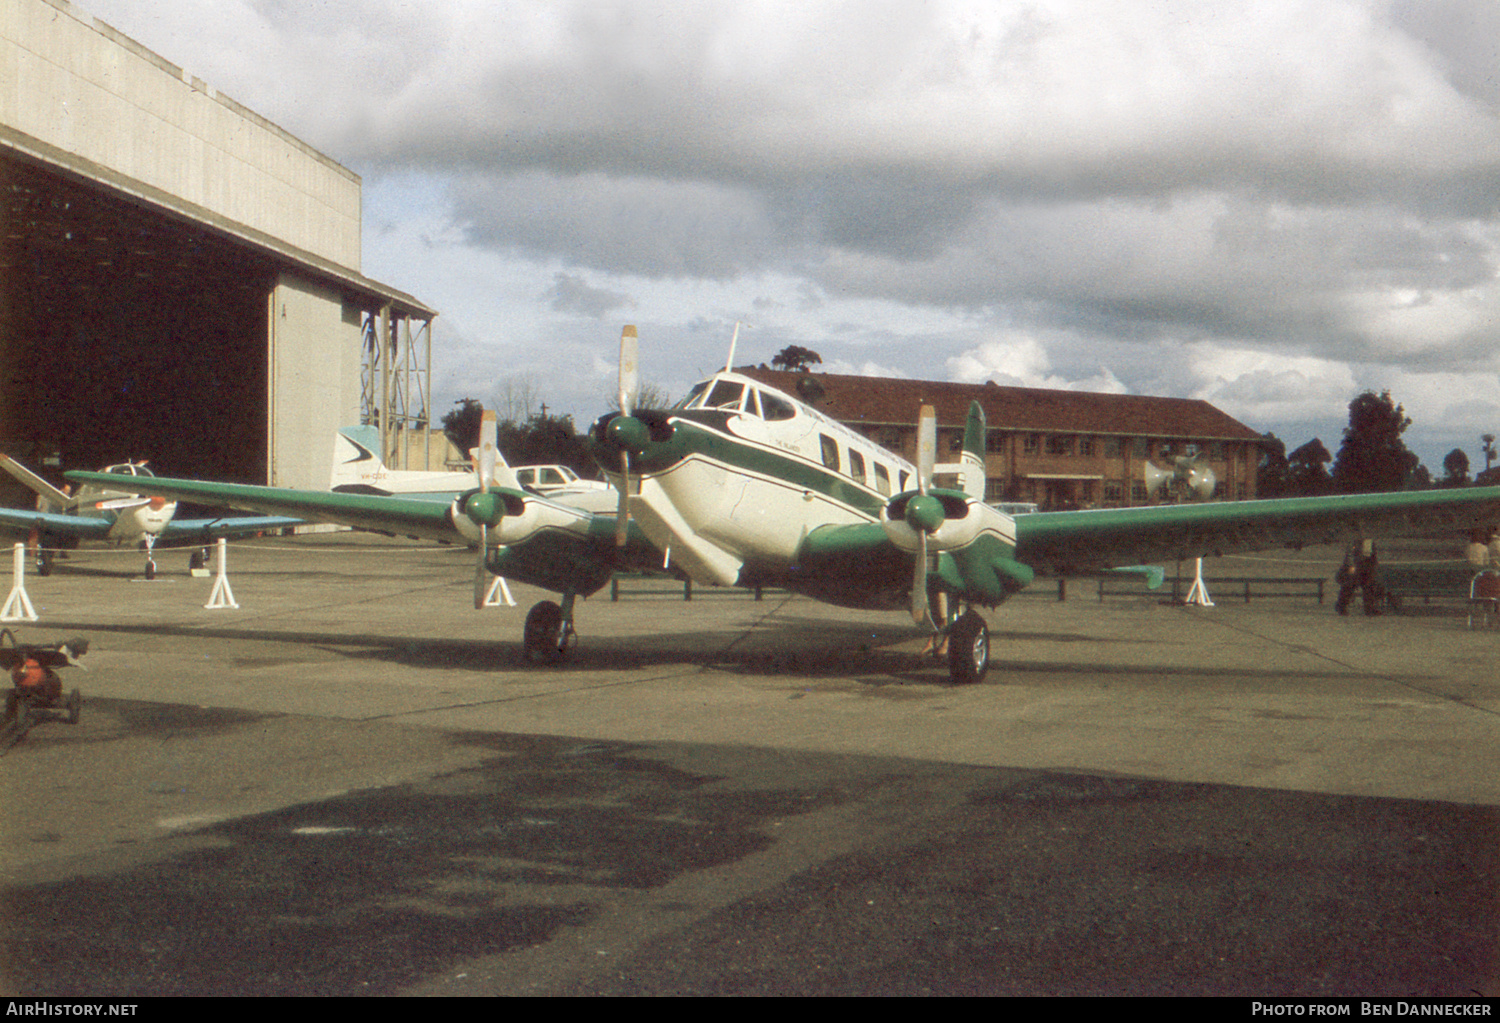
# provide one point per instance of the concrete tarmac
(352, 784)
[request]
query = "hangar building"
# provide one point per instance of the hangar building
(179, 277)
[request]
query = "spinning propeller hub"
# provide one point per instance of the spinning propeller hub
(485, 508)
(628, 433)
(924, 512)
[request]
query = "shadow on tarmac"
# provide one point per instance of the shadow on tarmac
(1028, 883)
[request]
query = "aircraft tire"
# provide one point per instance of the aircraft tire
(542, 633)
(150, 570)
(74, 706)
(43, 562)
(969, 649)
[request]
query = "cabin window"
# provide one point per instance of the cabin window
(726, 394)
(775, 408)
(901, 483)
(830, 451)
(882, 478)
(752, 402)
(693, 395)
(856, 465)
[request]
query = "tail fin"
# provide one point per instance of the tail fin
(970, 466)
(356, 457)
(358, 468)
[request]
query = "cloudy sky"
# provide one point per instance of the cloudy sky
(1272, 205)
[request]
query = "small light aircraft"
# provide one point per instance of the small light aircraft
(740, 484)
(358, 469)
(111, 509)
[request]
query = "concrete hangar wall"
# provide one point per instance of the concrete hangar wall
(179, 278)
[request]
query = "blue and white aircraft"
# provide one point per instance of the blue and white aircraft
(110, 509)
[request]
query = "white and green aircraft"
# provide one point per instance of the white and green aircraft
(740, 484)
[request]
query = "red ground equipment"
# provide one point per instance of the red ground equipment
(35, 684)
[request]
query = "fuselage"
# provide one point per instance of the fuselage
(135, 518)
(737, 476)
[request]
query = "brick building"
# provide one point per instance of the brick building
(1057, 449)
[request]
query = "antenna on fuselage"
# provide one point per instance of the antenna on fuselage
(729, 363)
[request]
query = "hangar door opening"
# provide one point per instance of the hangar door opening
(127, 333)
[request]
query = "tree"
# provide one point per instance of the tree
(1306, 474)
(1456, 468)
(795, 359)
(1271, 474)
(1373, 458)
(546, 440)
(461, 425)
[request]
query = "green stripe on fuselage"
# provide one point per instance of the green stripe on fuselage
(710, 440)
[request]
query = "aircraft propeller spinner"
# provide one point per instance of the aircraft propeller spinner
(1188, 476)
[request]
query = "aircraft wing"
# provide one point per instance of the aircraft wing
(19, 521)
(547, 544)
(208, 529)
(406, 516)
(1076, 542)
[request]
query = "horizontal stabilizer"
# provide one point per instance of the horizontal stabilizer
(59, 500)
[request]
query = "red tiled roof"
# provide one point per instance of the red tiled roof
(888, 401)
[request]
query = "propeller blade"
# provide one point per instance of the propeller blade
(484, 464)
(488, 449)
(622, 512)
(630, 373)
(919, 607)
(481, 573)
(630, 393)
(926, 446)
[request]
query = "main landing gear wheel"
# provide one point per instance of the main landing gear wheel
(43, 561)
(969, 649)
(547, 639)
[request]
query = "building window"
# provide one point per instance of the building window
(994, 441)
(1031, 444)
(1114, 492)
(1113, 447)
(1142, 448)
(994, 489)
(1086, 447)
(1138, 492)
(1059, 444)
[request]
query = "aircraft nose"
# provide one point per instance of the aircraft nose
(158, 503)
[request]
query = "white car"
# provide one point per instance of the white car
(547, 478)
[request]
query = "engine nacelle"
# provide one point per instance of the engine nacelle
(522, 516)
(960, 520)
